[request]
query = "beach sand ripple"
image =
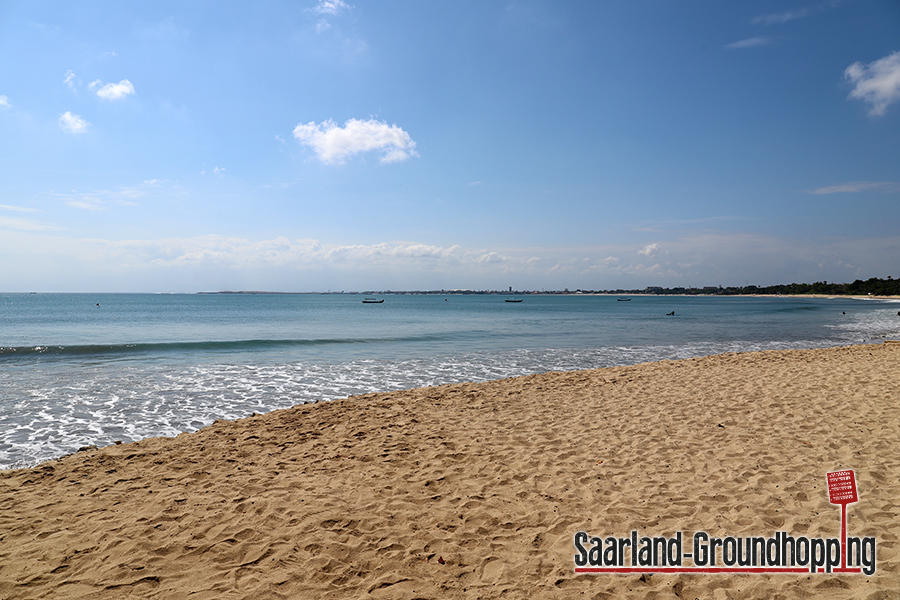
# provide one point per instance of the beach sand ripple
(476, 490)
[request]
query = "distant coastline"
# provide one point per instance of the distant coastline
(260, 292)
(558, 293)
(874, 288)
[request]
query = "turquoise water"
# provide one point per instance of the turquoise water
(81, 369)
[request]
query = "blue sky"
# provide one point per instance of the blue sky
(334, 145)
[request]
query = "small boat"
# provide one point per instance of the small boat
(624, 299)
(513, 299)
(372, 301)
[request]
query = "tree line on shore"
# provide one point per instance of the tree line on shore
(870, 287)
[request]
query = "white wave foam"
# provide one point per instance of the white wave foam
(62, 412)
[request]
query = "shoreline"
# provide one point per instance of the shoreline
(475, 490)
(468, 293)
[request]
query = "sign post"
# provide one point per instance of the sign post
(842, 490)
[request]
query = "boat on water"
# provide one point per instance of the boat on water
(624, 299)
(372, 301)
(513, 299)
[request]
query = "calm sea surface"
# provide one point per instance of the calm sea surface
(83, 369)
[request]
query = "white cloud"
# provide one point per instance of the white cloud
(333, 144)
(491, 258)
(877, 83)
(330, 7)
(750, 43)
(72, 123)
(782, 17)
(4, 102)
(103, 199)
(25, 224)
(18, 208)
(795, 13)
(859, 186)
(284, 264)
(114, 91)
(69, 79)
(213, 250)
(649, 250)
(384, 253)
(86, 204)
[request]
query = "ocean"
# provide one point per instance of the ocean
(90, 369)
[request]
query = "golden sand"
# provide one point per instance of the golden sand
(476, 490)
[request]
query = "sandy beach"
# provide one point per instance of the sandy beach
(476, 490)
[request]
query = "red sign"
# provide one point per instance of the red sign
(842, 487)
